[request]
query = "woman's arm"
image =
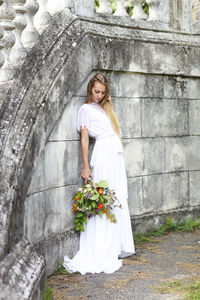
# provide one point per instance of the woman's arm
(86, 172)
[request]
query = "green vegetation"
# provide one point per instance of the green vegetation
(129, 8)
(190, 291)
(181, 226)
(48, 293)
(60, 270)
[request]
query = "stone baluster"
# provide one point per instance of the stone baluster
(153, 10)
(1, 43)
(18, 53)
(42, 17)
(30, 35)
(158, 10)
(59, 6)
(138, 12)
(121, 9)
(104, 7)
(7, 14)
(195, 10)
(196, 16)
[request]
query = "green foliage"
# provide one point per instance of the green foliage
(103, 183)
(60, 270)
(113, 5)
(193, 290)
(140, 238)
(190, 291)
(183, 226)
(93, 199)
(96, 4)
(48, 293)
(145, 7)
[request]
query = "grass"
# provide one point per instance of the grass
(190, 291)
(48, 293)
(181, 226)
(60, 270)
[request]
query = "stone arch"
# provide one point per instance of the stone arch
(58, 61)
(26, 107)
(57, 65)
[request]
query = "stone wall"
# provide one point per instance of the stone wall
(158, 111)
(154, 77)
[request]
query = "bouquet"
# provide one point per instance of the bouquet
(93, 199)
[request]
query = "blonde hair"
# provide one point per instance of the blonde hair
(104, 103)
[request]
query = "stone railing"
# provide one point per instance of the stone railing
(22, 22)
(138, 13)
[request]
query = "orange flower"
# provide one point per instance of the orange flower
(104, 211)
(108, 215)
(100, 190)
(75, 210)
(76, 198)
(100, 206)
(74, 205)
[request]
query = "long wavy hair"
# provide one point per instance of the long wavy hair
(104, 103)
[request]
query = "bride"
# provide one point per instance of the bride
(103, 244)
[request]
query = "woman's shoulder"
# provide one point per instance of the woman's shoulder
(86, 107)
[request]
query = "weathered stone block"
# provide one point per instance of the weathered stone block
(60, 163)
(152, 193)
(182, 153)
(133, 85)
(144, 156)
(128, 112)
(66, 127)
(135, 200)
(56, 246)
(194, 177)
(48, 212)
(175, 191)
(192, 90)
(146, 56)
(194, 117)
(165, 192)
(134, 156)
(153, 155)
(176, 154)
(163, 117)
(58, 166)
(181, 87)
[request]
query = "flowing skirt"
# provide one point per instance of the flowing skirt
(103, 244)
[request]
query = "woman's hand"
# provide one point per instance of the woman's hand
(86, 173)
(109, 99)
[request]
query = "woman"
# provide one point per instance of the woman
(102, 244)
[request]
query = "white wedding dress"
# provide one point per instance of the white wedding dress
(103, 244)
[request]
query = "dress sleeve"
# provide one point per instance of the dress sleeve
(83, 120)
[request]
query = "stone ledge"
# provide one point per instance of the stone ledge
(146, 222)
(56, 246)
(22, 273)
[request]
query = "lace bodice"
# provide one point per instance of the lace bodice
(95, 119)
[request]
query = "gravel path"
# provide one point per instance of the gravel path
(175, 256)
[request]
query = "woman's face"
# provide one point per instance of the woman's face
(98, 91)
